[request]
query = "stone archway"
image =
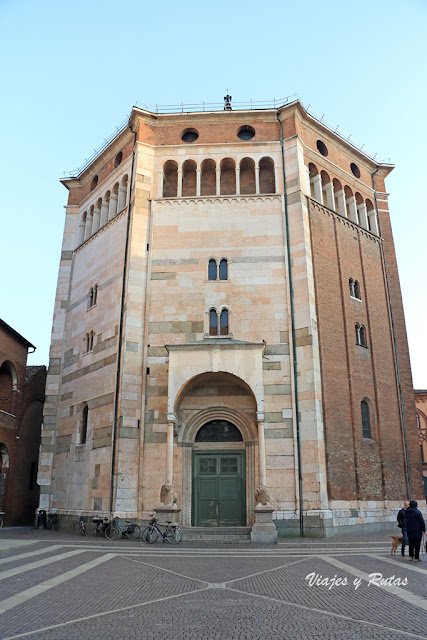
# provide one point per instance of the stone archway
(216, 397)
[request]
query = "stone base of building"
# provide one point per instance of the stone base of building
(346, 520)
(167, 514)
(263, 529)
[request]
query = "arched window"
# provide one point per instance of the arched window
(218, 431)
(361, 335)
(91, 336)
(170, 179)
(366, 422)
(212, 270)
(213, 322)
(95, 294)
(223, 269)
(354, 288)
(315, 183)
(267, 181)
(105, 206)
(224, 322)
(189, 178)
(327, 190)
(247, 176)
(357, 290)
(87, 343)
(208, 178)
(338, 197)
(422, 432)
(83, 429)
(372, 218)
(123, 190)
(90, 298)
(114, 202)
(228, 177)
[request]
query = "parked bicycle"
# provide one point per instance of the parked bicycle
(80, 527)
(115, 529)
(52, 521)
(172, 533)
(101, 525)
(1, 519)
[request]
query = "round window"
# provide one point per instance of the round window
(322, 148)
(94, 183)
(355, 170)
(118, 159)
(246, 132)
(190, 135)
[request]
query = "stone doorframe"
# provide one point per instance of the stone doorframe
(186, 437)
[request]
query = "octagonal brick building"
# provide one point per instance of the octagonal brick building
(228, 316)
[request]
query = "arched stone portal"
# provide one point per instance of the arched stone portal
(217, 398)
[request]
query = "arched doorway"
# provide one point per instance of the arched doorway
(219, 497)
(216, 414)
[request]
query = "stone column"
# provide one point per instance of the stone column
(353, 209)
(169, 452)
(122, 198)
(198, 181)
(104, 214)
(218, 181)
(179, 185)
(167, 507)
(263, 530)
(256, 178)
(342, 209)
(112, 209)
(328, 195)
(277, 178)
(237, 181)
(373, 224)
(96, 217)
(81, 235)
(261, 450)
(161, 180)
(88, 227)
(316, 181)
(363, 216)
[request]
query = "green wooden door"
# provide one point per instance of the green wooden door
(219, 489)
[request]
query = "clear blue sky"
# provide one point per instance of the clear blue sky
(72, 71)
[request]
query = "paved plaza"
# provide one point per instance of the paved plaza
(60, 586)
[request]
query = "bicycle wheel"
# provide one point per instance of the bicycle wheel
(149, 535)
(1, 522)
(77, 529)
(134, 534)
(174, 535)
(111, 532)
(96, 531)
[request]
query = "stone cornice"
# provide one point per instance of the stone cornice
(218, 199)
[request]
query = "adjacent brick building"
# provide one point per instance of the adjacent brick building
(228, 316)
(421, 409)
(21, 413)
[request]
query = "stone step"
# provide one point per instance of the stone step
(219, 534)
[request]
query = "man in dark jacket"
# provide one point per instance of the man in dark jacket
(401, 523)
(415, 527)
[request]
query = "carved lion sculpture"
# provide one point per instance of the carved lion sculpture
(262, 498)
(168, 496)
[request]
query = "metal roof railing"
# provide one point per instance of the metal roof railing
(96, 152)
(183, 108)
(248, 105)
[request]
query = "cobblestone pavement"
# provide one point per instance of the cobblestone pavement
(58, 586)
